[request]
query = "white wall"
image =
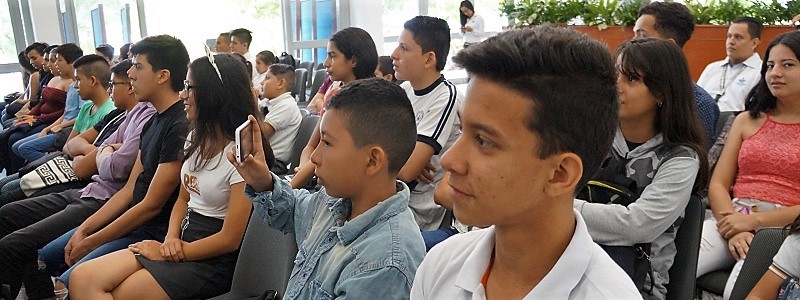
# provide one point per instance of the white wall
(45, 21)
(368, 15)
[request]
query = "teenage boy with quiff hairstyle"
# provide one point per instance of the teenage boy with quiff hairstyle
(673, 21)
(240, 43)
(517, 166)
(419, 59)
(356, 236)
(141, 209)
(731, 79)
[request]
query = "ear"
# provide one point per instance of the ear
(388, 77)
(430, 59)
(567, 169)
(672, 40)
(377, 162)
(281, 83)
(164, 76)
(756, 41)
(353, 62)
(94, 81)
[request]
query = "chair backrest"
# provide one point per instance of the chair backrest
(321, 66)
(299, 90)
(319, 78)
(265, 261)
(309, 66)
(307, 127)
(683, 272)
(763, 248)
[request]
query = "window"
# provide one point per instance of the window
(312, 22)
(8, 49)
(194, 22)
(86, 12)
(10, 77)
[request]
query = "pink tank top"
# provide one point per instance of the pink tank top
(769, 164)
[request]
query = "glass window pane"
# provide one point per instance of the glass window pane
(206, 19)
(112, 23)
(397, 12)
(8, 49)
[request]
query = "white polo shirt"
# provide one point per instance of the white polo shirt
(739, 80)
(284, 116)
(438, 125)
(454, 268)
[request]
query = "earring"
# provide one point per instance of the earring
(660, 103)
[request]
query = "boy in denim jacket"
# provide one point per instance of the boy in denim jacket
(356, 236)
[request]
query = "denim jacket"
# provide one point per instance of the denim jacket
(373, 256)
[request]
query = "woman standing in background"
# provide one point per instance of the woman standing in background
(471, 24)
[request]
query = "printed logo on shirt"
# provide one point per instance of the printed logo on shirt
(742, 81)
(191, 184)
(419, 116)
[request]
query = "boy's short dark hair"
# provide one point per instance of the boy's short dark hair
(227, 35)
(378, 112)
(49, 49)
(93, 65)
(69, 52)
(673, 20)
(285, 72)
(121, 68)
(570, 81)
(431, 34)
(386, 67)
(37, 46)
(107, 50)
(123, 51)
(243, 34)
(754, 26)
(165, 52)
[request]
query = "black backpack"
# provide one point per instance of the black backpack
(287, 59)
(611, 186)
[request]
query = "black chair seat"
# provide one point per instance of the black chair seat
(714, 282)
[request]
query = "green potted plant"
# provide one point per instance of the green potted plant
(597, 17)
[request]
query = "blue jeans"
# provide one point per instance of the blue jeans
(34, 147)
(51, 257)
(15, 146)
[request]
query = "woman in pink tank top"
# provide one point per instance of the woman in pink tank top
(760, 164)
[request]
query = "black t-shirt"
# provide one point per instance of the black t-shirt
(108, 125)
(162, 141)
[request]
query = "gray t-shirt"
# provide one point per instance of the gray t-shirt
(788, 257)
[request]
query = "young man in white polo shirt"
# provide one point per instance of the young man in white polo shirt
(731, 79)
(283, 119)
(539, 116)
(419, 59)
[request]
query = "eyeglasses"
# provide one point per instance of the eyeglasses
(210, 56)
(186, 86)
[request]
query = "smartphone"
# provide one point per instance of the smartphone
(244, 141)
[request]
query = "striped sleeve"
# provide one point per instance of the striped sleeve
(436, 125)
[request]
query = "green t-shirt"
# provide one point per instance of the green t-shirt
(87, 120)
